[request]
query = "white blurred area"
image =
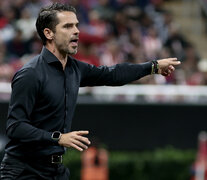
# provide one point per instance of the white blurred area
(133, 94)
(114, 32)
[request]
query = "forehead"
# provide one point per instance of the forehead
(67, 17)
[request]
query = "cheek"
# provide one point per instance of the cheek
(65, 39)
(61, 40)
(61, 36)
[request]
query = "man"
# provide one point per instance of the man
(44, 94)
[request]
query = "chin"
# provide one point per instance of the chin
(72, 52)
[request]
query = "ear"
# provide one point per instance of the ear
(48, 33)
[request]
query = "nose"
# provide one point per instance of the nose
(76, 31)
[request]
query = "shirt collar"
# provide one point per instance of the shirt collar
(50, 57)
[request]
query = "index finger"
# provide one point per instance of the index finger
(174, 61)
(82, 132)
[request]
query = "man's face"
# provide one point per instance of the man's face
(66, 35)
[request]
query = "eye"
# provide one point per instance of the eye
(68, 26)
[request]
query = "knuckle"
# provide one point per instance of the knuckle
(84, 139)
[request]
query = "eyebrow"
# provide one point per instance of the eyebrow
(70, 24)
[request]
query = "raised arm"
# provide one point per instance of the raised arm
(124, 73)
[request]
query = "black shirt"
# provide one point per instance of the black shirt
(44, 97)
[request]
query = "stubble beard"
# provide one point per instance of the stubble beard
(73, 51)
(70, 50)
(66, 49)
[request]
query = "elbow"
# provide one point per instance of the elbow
(10, 131)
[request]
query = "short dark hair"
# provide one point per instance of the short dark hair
(47, 18)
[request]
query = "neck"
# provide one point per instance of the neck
(62, 57)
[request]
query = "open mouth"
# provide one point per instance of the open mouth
(74, 42)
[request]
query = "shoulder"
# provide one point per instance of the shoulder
(77, 62)
(82, 66)
(34, 62)
(29, 70)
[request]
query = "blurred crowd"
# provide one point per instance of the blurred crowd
(112, 31)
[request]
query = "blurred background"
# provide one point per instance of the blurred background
(151, 129)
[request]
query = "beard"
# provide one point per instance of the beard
(66, 48)
(72, 51)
